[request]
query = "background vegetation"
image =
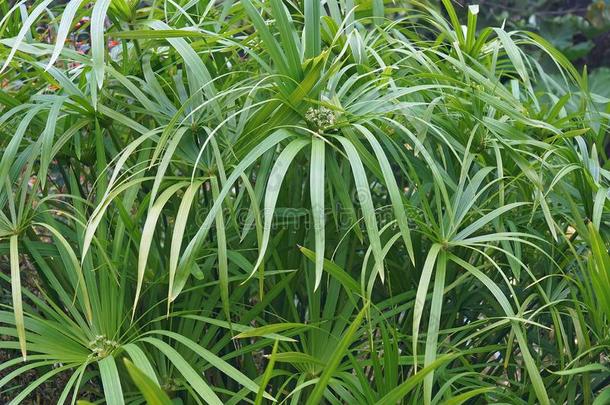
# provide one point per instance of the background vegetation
(360, 202)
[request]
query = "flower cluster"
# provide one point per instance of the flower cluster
(319, 119)
(101, 346)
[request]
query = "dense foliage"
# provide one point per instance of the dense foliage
(580, 29)
(298, 201)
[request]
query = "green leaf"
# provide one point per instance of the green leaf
(288, 35)
(81, 285)
(237, 327)
(198, 384)
(272, 192)
(603, 397)
(147, 235)
(269, 41)
(111, 381)
(339, 352)
(158, 34)
(436, 307)
(337, 272)
(316, 189)
(266, 376)
(151, 391)
(514, 53)
(395, 195)
(141, 362)
(16, 294)
(397, 394)
(200, 78)
(583, 369)
(223, 267)
(366, 203)
(422, 290)
(178, 234)
(532, 368)
(457, 27)
(98, 42)
(298, 358)
(8, 156)
(25, 29)
(215, 361)
(65, 25)
(485, 219)
(269, 330)
(184, 265)
(46, 140)
(312, 28)
(461, 398)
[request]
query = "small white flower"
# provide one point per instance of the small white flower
(320, 118)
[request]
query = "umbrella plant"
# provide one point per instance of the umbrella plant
(334, 201)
